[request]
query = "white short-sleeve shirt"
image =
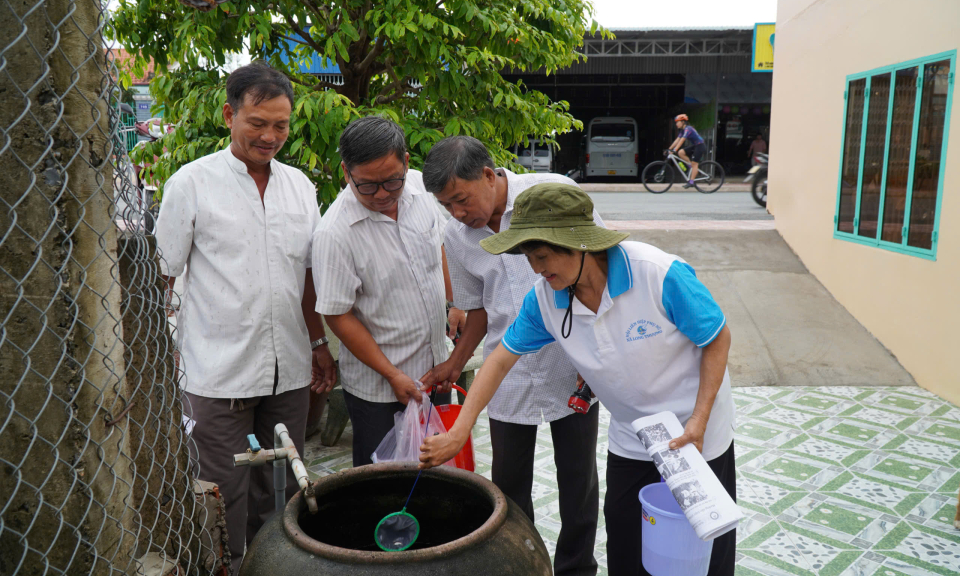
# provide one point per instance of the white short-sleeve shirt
(641, 351)
(390, 274)
(539, 385)
(245, 264)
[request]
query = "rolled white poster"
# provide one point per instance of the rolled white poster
(701, 496)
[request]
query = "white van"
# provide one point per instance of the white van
(612, 147)
(536, 157)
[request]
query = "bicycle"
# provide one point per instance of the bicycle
(659, 175)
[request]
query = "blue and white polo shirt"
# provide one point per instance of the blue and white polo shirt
(640, 353)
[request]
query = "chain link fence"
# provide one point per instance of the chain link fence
(95, 472)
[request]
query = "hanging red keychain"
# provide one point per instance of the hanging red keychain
(580, 400)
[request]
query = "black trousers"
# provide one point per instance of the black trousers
(371, 422)
(621, 511)
(575, 454)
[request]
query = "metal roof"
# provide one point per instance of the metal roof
(633, 65)
(678, 28)
(700, 49)
(315, 65)
(720, 32)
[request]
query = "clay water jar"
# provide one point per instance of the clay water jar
(467, 526)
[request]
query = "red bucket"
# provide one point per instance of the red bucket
(448, 415)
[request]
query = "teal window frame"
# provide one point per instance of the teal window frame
(903, 248)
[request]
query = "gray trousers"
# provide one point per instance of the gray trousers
(221, 431)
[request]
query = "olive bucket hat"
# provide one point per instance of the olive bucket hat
(558, 214)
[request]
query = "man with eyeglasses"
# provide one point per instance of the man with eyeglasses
(380, 273)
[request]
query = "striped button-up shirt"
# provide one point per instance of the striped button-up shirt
(539, 385)
(390, 274)
(245, 262)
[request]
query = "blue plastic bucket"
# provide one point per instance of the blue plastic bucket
(670, 545)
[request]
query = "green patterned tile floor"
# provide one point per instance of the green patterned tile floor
(833, 481)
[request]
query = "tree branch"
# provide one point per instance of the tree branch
(308, 40)
(377, 50)
(402, 92)
(367, 6)
(292, 39)
(322, 12)
(397, 89)
(388, 66)
(318, 86)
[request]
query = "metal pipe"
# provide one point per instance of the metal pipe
(299, 469)
(259, 458)
(283, 450)
(279, 471)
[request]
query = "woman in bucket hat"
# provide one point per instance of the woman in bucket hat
(641, 329)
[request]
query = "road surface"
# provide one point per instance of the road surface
(678, 206)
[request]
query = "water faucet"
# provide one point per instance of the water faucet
(283, 451)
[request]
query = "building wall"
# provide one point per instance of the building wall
(144, 101)
(910, 304)
(734, 88)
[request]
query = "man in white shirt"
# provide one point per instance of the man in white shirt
(461, 174)
(241, 225)
(379, 271)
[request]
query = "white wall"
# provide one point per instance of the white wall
(910, 304)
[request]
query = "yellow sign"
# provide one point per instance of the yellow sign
(763, 35)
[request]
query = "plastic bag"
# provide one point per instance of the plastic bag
(402, 443)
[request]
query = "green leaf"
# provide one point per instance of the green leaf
(456, 52)
(349, 28)
(452, 128)
(296, 145)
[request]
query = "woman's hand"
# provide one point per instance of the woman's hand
(713, 365)
(692, 434)
(438, 449)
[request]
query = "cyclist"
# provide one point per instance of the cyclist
(688, 145)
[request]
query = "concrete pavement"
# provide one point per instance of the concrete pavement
(787, 329)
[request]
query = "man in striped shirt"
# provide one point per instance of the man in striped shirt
(463, 177)
(379, 270)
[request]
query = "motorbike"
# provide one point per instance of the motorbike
(757, 177)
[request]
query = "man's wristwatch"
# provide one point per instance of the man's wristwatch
(323, 340)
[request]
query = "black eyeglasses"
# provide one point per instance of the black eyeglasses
(370, 188)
